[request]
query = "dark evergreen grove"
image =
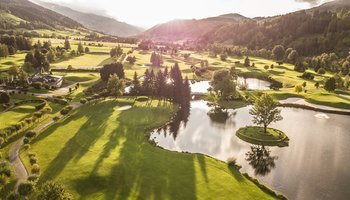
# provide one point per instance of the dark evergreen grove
(165, 84)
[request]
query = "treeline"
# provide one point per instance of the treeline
(308, 32)
(9, 44)
(107, 38)
(166, 84)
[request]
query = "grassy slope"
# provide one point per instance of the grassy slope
(16, 114)
(103, 153)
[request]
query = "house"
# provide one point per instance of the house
(52, 80)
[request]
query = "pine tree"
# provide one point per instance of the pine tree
(80, 49)
(176, 76)
(136, 89)
(186, 92)
(160, 84)
(67, 44)
(146, 83)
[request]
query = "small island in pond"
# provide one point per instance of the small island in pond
(264, 112)
(256, 135)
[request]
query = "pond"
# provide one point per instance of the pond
(252, 84)
(315, 165)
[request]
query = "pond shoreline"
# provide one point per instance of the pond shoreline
(306, 107)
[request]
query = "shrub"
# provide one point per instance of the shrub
(266, 67)
(13, 196)
(83, 101)
(32, 154)
(33, 178)
(25, 188)
(33, 160)
(26, 140)
(308, 75)
(66, 110)
(26, 147)
(232, 161)
(321, 71)
(5, 170)
(35, 169)
(55, 118)
(46, 86)
(37, 85)
(30, 134)
(41, 106)
(3, 180)
(4, 98)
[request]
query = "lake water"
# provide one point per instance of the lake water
(252, 84)
(315, 165)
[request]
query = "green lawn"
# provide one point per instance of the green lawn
(16, 114)
(103, 153)
(16, 59)
(256, 135)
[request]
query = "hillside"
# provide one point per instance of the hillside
(190, 29)
(94, 22)
(322, 29)
(32, 16)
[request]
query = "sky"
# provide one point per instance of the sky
(147, 13)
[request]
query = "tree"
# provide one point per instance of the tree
(330, 84)
(223, 57)
(26, 188)
(293, 56)
(278, 52)
(115, 86)
(265, 111)
(246, 62)
(223, 84)
(131, 59)
(186, 92)
(136, 88)
(67, 44)
(4, 98)
(266, 67)
(87, 50)
(156, 59)
(176, 76)
(80, 49)
(115, 68)
(116, 51)
(160, 84)
(4, 51)
(317, 85)
(53, 191)
(298, 89)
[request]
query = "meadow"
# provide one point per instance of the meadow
(105, 154)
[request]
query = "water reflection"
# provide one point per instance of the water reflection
(259, 157)
(180, 119)
(315, 165)
(220, 115)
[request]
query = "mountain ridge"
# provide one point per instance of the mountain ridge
(95, 22)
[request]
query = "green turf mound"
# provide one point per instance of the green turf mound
(256, 135)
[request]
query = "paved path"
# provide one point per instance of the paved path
(15, 160)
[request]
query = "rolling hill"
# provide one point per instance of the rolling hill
(190, 29)
(33, 15)
(325, 28)
(94, 22)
